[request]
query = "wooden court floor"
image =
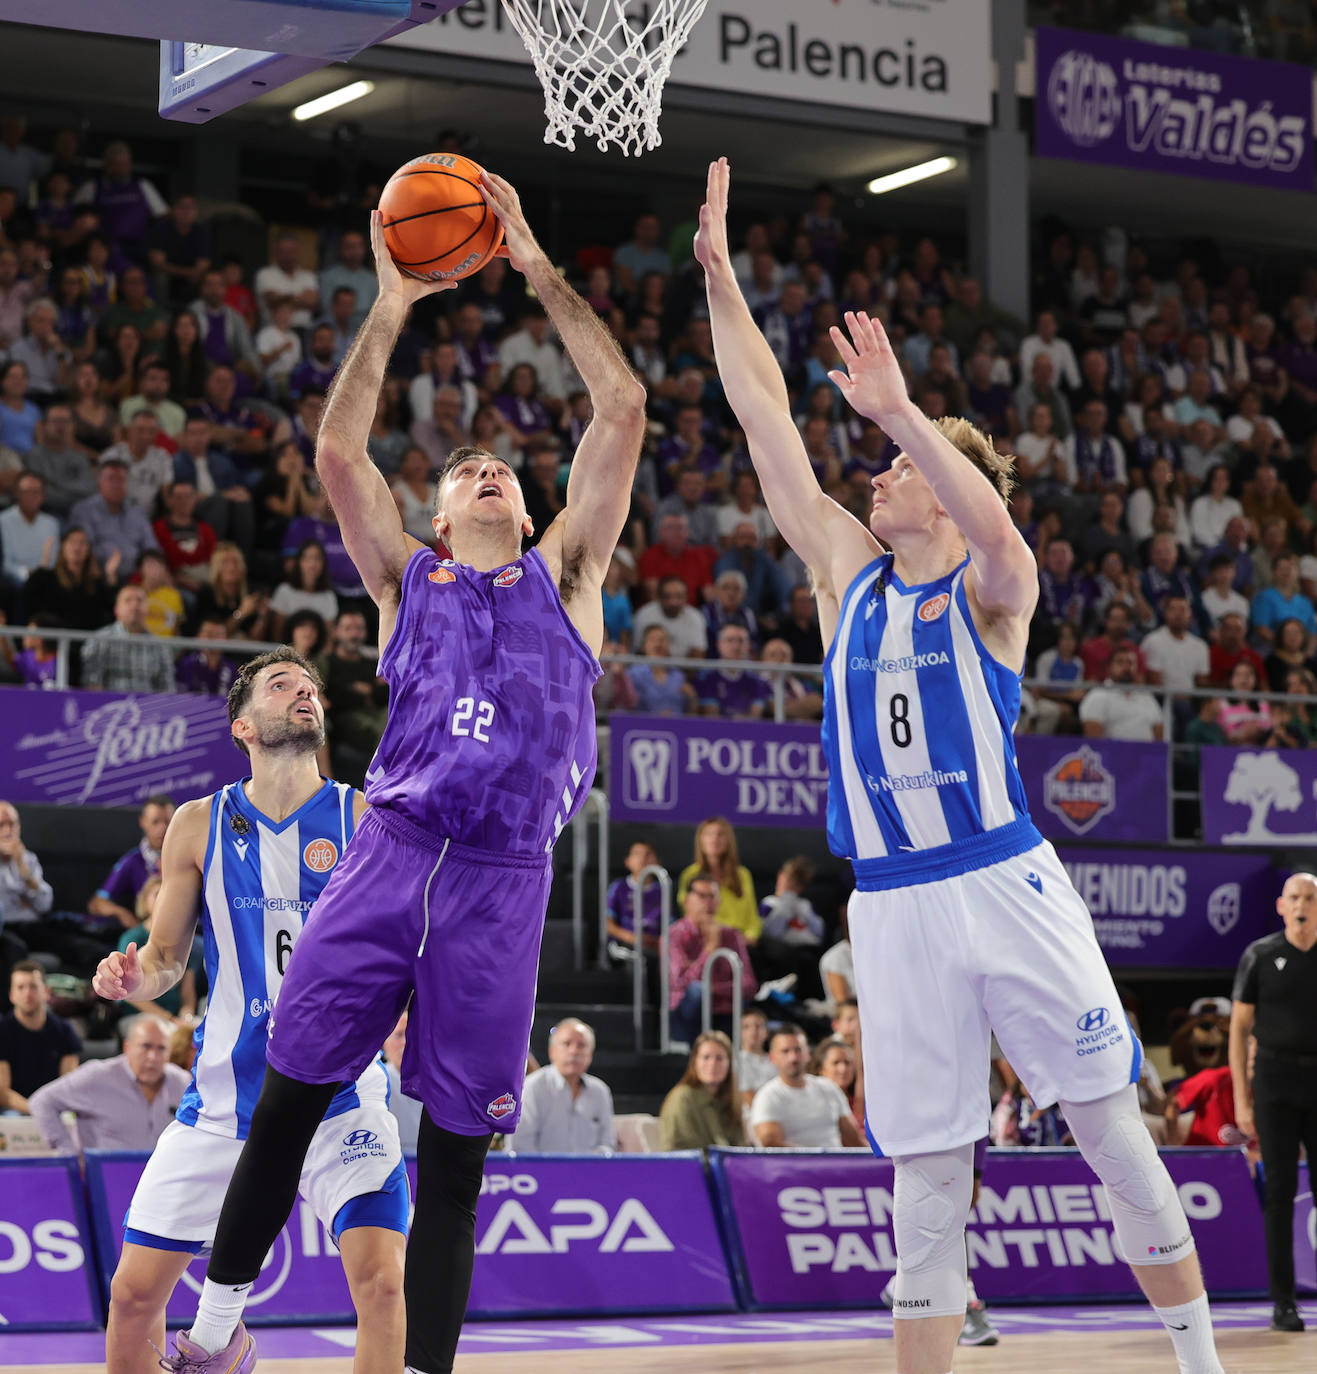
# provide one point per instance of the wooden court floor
(1242, 1352)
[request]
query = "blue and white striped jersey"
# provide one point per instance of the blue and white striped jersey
(917, 721)
(260, 879)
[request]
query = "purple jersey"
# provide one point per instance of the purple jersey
(491, 734)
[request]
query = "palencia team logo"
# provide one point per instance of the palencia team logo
(501, 1107)
(1079, 790)
(509, 577)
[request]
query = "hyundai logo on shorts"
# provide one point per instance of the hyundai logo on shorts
(1093, 1020)
(360, 1138)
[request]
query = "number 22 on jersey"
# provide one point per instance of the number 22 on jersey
(473, 718)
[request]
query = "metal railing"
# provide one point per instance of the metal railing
(596, 803)
(638, 967)
(691, 668)
(706, 981)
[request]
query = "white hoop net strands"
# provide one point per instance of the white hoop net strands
(603, 65)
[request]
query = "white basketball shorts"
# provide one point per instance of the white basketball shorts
(941, 965)
(353, 1155)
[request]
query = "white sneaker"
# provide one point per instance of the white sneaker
(783, 984)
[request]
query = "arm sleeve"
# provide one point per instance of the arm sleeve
(1246, 978)
(607, 1124)
(48, 1102)
(683, 969)
(761, 1107)
(42, 896)
(70, 1042)
(527, 1135)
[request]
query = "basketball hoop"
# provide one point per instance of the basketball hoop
(603, 70)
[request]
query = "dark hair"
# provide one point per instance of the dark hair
(849, 1002)
(786, 1028)
(158, 799)
(240, 694)
(455, 460)
(307, 617)
(28, 966)
(322, 582)
(1219, 560)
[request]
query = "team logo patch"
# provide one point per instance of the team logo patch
(1079, 790)
(502, 1106)
(320, 856)
(509, 577)
(442, 575)
(934, 606)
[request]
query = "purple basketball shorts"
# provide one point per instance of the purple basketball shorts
(461, 927)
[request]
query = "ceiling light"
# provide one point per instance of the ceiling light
(322, 104)
(921, 171)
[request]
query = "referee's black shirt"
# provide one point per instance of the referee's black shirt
(1280, 981)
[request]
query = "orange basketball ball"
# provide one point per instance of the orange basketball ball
(437, 225)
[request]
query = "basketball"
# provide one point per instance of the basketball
(436, 223)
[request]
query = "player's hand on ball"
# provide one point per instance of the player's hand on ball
(872, 382)
(392, 280)
(519, 244)
(711, 238)
(119, 976)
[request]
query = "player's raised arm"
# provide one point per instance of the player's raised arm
(1005, 572)
(367, 513)
(812, 523)
(143, 975)
(599, 487)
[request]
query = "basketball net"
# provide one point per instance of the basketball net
(603, 70)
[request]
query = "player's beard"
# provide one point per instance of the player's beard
(288, 733)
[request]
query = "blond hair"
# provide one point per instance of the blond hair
(969, 439)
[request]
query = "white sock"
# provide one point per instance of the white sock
(218, 1314)
(1190, 1328)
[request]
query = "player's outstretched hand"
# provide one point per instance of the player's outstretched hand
(872, 381)
(711, 238)
(392, 280)
(519, 244)
(119, 976)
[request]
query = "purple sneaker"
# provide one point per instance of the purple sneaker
(238, 1357)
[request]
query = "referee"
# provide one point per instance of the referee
(1275, 999)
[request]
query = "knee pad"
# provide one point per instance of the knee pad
(1150, 1224)
(930, 1204)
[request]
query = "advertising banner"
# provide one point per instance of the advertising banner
(47, 1274)
(754, 772)
(815, 1230)
(104, 749)
(1263, 797)
(1305, 1233)
(931, 59)
(1095, 789)
(1171, 907)
(1099, 98)
(554, 1235)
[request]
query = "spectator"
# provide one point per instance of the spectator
(640, 255)
(622, 897)
(307, 588)
(691, 941)
(37, 661)
(1281, 601)
(800, 627)
(1290, 651)
(1213, 509)
(1176, 658)
(675, 556)
(533, 345)
(28, 536)
(48, 359)
(152, 397)
(225, 594)
(406, 1110)
(1045, 339)
(1159, 489)
(1057, 705)
(745, 507)
(350, 273)
(444, 370)
(1120, 709)
(358, 697)
(93, 419)
(307, 633)
(235, 430)
(36, 1046)
(226, 339)
(118, 528)
(1265, 498)
(148, 466)
(19, 417)
(279, 348)
(1255, 435)
(1230, 648)
(1209, 1096)
(1235, 546)
(688, 501)
(64, 468)
(186, 543)
(835, 1060)
(1163, 577)
(340, 321)
(178, 1004)
(73, 592)
(1218, 598)
(793, 930)
(283, 279)
(21, 165)
(316, 372)
(661, 690)
(616, 599)
(117, 896)
(1096, 459)
(134, 307)
(797, 1110)
(178, 251)
(565, 1110)
(753, 1066)
(716, 853)
(1109, 531)
(733, 691)
(477, 358)
(802, 698)
(207, 671)
(125, 203)
(541, 485)
(765, 587)
(1097, 652)
(164, 606)
(728, 607)
(15, 297)
(118, 1104)
(1245, 721)
(704, 1108)
(125, 657)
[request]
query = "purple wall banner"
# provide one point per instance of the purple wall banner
(815, 1229)
(1167, 906)
(554, 1235)
(1305, 1233)
(1263, 797)
(104, 749)
(1095, 789)
(1099, 98)
(670, 768)
(47, 1277)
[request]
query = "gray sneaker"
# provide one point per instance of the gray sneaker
(978, 1330)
